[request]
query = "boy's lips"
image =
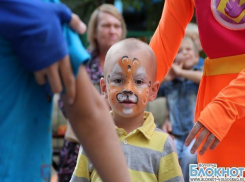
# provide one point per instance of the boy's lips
(127, 103)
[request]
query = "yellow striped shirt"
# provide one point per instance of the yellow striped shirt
(150, 154)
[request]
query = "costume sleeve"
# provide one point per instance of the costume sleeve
(34, 29)
(82, 170)
(169, 33)
(169, 168)
(228, 106)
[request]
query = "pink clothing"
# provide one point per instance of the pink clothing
(211, 24)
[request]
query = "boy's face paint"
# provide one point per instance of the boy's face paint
(129, 86)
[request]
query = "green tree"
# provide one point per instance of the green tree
(152, 11)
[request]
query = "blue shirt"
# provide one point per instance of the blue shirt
(200, 62)
(25, 107)
(181, 100)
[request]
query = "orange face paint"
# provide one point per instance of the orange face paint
(128, 86)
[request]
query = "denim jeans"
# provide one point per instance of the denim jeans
(184, 155)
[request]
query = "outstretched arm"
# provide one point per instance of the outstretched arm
(169, 33)
(94, 128)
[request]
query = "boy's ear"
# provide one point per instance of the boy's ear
(103, 88)
(154, 90)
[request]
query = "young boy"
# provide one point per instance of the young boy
(129, 84)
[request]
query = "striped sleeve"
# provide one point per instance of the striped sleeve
(169, 33)
(169, 168)
(82, 170)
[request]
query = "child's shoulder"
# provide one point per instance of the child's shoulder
(161, 132)
(164, 141)
(161, 136)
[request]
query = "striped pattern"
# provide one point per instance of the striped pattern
(79, 179)
(150, 154)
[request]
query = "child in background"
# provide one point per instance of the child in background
(129, 84)
(180, 90)
(192, 31)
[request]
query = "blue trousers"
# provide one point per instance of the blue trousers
(184, 155)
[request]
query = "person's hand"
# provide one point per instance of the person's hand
(169, 76)
(167, 127)
(202, 134)
(77, 25)
(177, 68)
(37, 39)
(61, 71)
(57, 73)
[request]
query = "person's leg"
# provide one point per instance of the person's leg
(179, 146)
(67, 160)
(186, 159)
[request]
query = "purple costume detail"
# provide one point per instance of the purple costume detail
(232, 9)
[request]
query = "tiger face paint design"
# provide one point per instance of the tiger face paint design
(128, 86)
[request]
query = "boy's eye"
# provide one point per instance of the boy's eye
(139, 82)
(118, 80)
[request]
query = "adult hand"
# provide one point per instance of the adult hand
(61, 71)
(57, 73)
(202, 134)
(77, 25)
(36, 35)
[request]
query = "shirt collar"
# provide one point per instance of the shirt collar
(148, 127)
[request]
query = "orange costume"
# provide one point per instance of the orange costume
(221, 98)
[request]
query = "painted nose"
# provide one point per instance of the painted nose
(128, 92)
(129, 85)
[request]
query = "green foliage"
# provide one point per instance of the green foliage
(84, 8)
(152, 10)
